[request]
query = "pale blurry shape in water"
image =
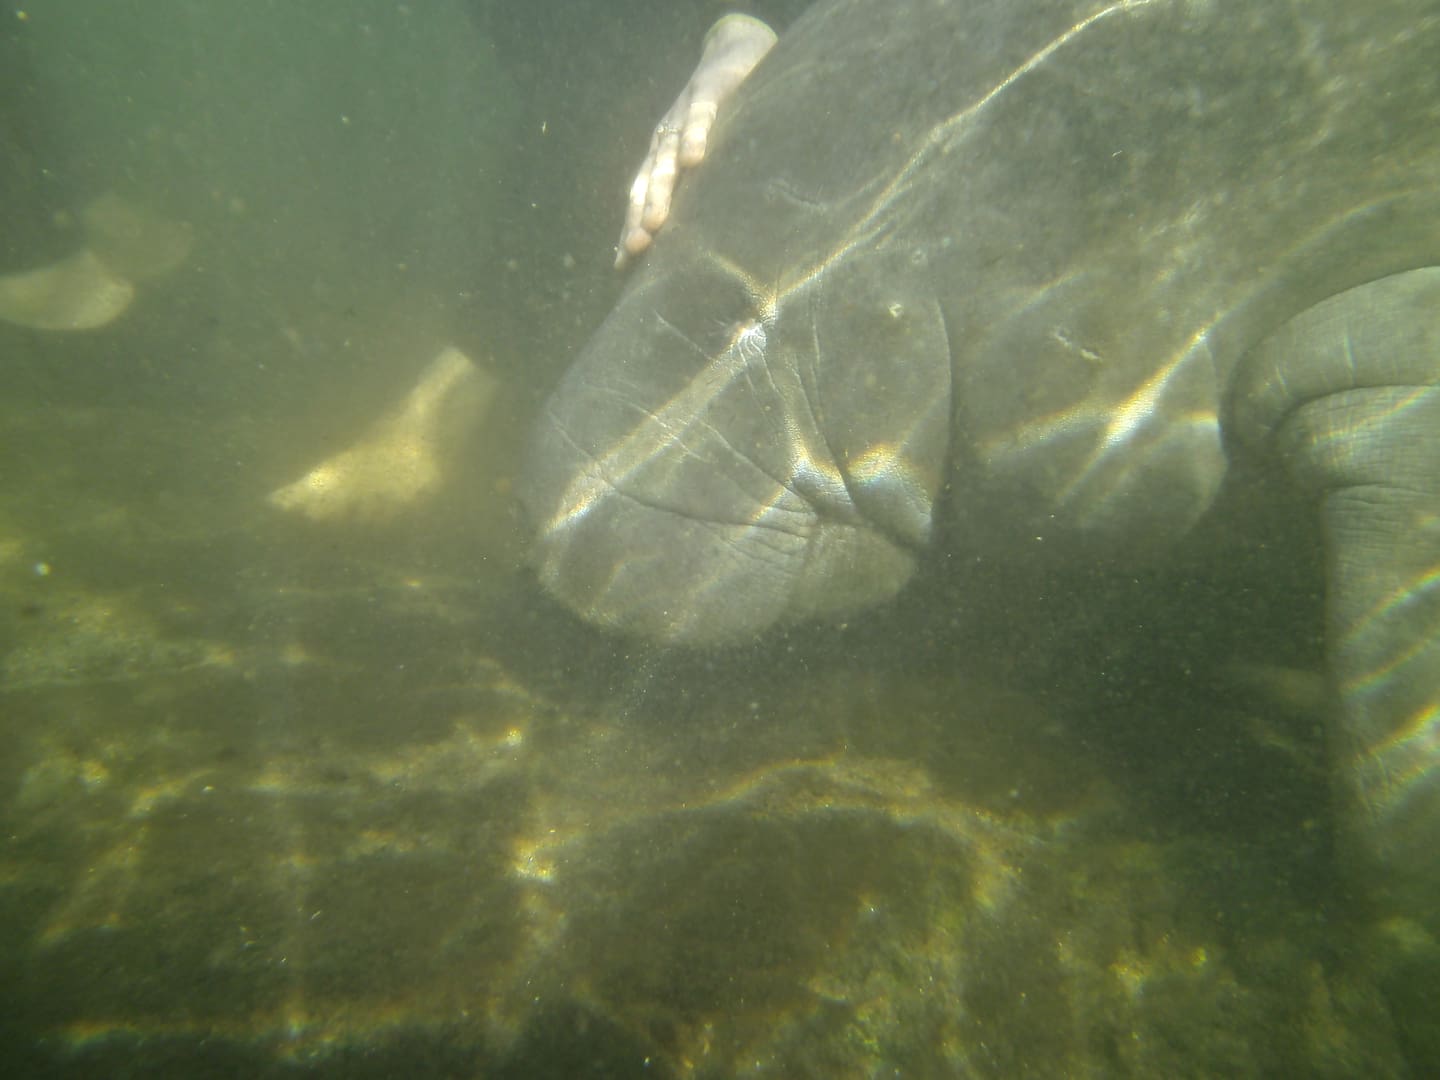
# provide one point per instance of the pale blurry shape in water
(402, 458)
(76, 293)
(133, 242)
(95, 286)
(1293, 691)
(1288, 706)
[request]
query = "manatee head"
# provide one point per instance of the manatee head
(723, 457)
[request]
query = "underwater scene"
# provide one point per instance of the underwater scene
(960, 598)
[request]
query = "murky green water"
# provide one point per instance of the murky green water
(325, 784)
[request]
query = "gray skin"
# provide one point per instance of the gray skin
(1061, 260)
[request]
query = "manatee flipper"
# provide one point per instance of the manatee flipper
(1349, 394)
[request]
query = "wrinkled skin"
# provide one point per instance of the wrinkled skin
(1062, 260)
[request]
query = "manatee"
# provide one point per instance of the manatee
(1020, 276)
